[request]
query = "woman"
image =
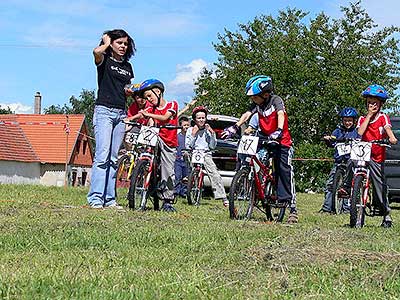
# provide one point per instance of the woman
(113, 72)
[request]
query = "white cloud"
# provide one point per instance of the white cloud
(186, 75)
(17, 108)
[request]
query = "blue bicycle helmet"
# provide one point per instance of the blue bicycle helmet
(259, 84)
(150, 84)
(375, 90)
(348, 112)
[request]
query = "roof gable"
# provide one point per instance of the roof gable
(14, 145)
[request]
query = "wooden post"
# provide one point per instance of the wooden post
(66, 128)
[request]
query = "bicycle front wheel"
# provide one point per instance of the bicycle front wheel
(337, 200)
(273, 210)
(194, 190)
(241, 195)
(138, 190)
(357, 209)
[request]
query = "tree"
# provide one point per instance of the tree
(317, 67)
(4, 111)
(84, 104)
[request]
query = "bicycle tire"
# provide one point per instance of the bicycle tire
(193, 190)
(273, 212)
(337, 202)
(241, 195)
(137, 191)
(357, 209)
(122, 180)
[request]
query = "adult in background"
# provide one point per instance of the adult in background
(113, 72)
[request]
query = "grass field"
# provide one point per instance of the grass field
(53, 247)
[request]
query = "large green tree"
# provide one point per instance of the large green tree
(318, 66)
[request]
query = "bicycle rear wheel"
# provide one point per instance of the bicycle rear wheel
(122, 181)
(241, 195)
(337, 200)
(274, 211)
(194, 190)
(357, 209)
(138, 190)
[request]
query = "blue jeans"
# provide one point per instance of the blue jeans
(181, 171)
(109, 132)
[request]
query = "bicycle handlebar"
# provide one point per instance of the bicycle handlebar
(166, 126)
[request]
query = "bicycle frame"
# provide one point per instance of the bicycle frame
(147, 171)
(267, 175)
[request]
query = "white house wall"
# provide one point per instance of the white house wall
(14, 172)
(52, 174)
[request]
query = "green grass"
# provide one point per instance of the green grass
(53, 247)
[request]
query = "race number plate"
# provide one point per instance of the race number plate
(248, 145)
(343, 148)
(198, 157)
(148, 136)
(131, 138)
(360, 151)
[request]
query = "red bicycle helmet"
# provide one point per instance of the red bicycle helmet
(199, 109)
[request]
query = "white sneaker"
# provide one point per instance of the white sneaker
(225, 202)
(96, 206)
(115, 205)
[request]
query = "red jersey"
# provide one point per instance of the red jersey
(268, 118)
(134, 109)
(169, 137)
(376, 131)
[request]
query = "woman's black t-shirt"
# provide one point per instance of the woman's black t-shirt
(112, 76)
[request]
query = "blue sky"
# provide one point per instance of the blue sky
(47, 45)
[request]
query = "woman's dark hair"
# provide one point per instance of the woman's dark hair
(120, 33)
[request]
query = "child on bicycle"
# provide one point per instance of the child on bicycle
(346, 130)
(376, 126)
(181, 167)
(202, 137)
(273, 122)
(162, 112)
(137, 105)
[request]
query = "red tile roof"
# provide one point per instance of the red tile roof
(14, 145)
(45, 133)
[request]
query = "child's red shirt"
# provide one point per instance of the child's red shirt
(169, 137)
(376, 131)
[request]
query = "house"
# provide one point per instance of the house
(38, 149)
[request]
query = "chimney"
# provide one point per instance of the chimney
(38, 103)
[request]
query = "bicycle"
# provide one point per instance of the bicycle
(126, 161)
(254, 185)
(343, 147)
(196, 178)
(361, 203)
(146, 173)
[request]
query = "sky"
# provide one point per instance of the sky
(46, 45)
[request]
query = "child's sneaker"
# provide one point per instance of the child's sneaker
(293, 218)
(387, 222)
(225, 202)
(167, 207)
